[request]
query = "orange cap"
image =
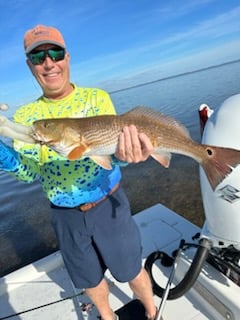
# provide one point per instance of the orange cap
(41, 35)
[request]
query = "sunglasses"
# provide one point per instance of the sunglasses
(38, 57)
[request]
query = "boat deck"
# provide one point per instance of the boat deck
(45, 286)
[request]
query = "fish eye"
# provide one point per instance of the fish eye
(46, 125)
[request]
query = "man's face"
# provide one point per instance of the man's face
(52, 76)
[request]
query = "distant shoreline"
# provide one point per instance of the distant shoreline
(174, 76)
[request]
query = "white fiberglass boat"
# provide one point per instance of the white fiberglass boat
(195, 272)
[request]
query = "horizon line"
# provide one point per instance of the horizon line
(174, 76)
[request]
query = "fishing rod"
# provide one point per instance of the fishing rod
(170, 280)
(42, 306)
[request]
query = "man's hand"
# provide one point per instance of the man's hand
(132, 146)
(15, 130)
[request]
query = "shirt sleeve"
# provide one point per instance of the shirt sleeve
(27, 169)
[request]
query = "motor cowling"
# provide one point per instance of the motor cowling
(222, 205)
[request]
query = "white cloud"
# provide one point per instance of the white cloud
(204, 37)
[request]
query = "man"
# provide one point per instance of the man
(90, 212)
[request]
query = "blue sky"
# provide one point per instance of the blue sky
(116, 44)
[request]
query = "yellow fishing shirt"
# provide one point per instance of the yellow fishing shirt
(66, 183)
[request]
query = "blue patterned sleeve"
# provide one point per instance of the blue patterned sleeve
(8, 157)
(21, 167)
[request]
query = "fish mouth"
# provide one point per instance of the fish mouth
(39, 139)
(42, 143)
(50, 143)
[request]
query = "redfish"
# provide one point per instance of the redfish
(97, 137)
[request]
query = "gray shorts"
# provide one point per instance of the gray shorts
(104, 237)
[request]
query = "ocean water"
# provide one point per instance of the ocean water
(25, 230)
(181, 95)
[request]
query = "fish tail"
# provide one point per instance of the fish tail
(219, 163)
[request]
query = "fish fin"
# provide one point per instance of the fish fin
(163, 158)
(102, 161)
(219, 163)
(77, 152)
(157, 115)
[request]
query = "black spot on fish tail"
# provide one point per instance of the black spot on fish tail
(219, 163)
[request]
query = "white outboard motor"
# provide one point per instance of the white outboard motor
(222, 206)
(219, 241)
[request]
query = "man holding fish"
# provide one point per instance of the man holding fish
(90, 211)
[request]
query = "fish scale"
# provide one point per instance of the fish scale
(97, 137)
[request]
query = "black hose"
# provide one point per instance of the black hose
(191, 276)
